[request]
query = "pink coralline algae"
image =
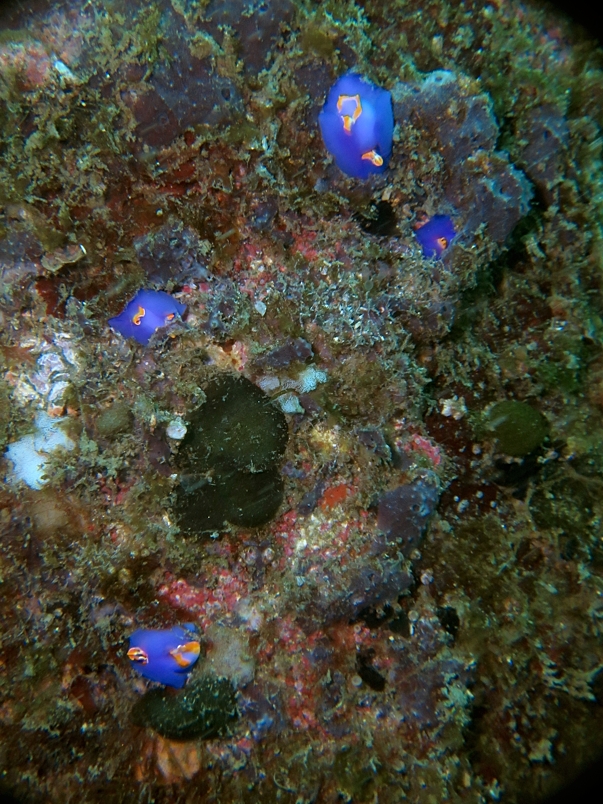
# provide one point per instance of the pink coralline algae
(212, 598)
(357, 569)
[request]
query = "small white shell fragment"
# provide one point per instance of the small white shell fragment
(268, 384)
(49, 434)
(176, 429)
(56, 395)
(54, 368)
(260, 307)
(289, 403)
(28, 463)
(66, 76)
(454, 407)
(67, 349)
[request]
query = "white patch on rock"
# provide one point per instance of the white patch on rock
(29, 455)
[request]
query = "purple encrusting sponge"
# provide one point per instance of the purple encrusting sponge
(148, 311)
(436, 235)
(357, 126)
(164, 655)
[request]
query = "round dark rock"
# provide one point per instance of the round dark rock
(201, 711)
(230, 459)
(236, 427)
(518, 427)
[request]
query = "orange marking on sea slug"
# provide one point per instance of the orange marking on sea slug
(138, 655)
(349, 119)
(170, 317)
(373, 157)
(193, 648)
(136, 318)
(442, 242)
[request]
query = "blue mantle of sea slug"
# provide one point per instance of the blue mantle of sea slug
(164, 655)
(436, 235)
(148, 311)
(357, 126)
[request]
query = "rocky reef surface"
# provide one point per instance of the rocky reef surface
(370, 480)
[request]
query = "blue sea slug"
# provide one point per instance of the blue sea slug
(164, 655)
(436, 235)
(148, 311)
(357, 126)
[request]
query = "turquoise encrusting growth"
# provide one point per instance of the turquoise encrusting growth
(357, 126)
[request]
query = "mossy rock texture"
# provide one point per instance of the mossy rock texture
(202, 710)
(114, 421)
(564, 503)
(230, 459)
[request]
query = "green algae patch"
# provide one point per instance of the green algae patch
(517, 427)
(230, 459)
(114, 420)
(202, 710)
(319, 43)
